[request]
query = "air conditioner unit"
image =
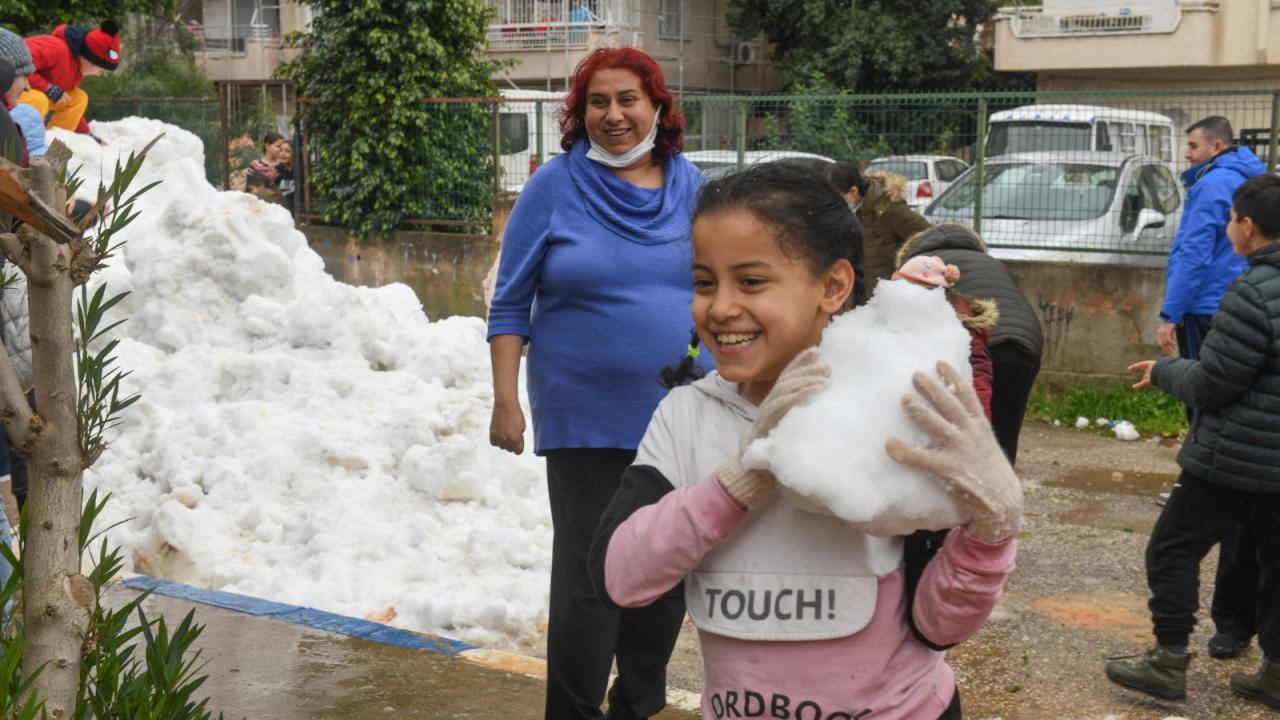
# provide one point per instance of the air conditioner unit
(744, 52)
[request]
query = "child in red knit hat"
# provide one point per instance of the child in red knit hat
(62, 60)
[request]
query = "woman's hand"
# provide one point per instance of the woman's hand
(963, 454)
(506, 427)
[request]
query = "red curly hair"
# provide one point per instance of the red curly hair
(670, 137)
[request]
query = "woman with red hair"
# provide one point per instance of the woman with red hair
(595, 277)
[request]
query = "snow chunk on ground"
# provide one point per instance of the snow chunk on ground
(300, 439)
(830, 452)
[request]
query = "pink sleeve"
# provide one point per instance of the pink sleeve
(659, 544)
(960, 586)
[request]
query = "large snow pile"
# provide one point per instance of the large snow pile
(829, 453)
(297, 438)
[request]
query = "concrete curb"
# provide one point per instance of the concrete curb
(500, 660)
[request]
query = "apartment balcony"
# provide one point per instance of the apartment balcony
(522, 25)
(1065, 35)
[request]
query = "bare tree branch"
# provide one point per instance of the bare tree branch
(12, 248)
(58, 155)
(15, 412)
(18, 199)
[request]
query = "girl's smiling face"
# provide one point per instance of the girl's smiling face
(756, 307)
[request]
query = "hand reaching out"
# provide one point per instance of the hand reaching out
(1143, 367)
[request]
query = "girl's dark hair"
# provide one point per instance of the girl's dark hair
(811, 219)
(684, 371)
(271, 138)
(843, 175)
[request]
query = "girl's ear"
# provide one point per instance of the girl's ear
(837, 286)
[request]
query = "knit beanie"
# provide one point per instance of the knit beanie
(15, 50)
(102, 45)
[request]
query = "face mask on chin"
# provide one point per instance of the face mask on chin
(630, 157)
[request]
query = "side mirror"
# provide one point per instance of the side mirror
(1148, 218)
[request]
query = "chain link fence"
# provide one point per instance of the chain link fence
(1083, 176)
(1077, 176)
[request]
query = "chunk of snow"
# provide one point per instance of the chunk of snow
(1082, 422)
(829, 453)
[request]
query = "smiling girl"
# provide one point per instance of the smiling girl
(799, 615)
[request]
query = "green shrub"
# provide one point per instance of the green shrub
(120, 677)
(378, 154)
(1150, 411)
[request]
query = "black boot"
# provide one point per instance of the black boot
(1161, 673)
(1225, 646)
(1263, 685)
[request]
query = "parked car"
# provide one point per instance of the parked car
(518, 133)
(1062, 128)
(1070, 206)
(927, 175)
(716, 164)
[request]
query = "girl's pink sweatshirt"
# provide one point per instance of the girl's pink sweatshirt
(879, 673)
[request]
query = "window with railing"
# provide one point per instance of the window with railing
(228, 25)
(532, 24)
(1065, 18)
(671, 19)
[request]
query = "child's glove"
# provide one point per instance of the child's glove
(54, 93)
(800, 379)
(963, 454)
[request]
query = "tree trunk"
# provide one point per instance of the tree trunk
(52, 558)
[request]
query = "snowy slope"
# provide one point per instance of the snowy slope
(300, 439)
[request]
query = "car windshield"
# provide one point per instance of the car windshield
(906, 168)
(1032, 191)
(1032, 136)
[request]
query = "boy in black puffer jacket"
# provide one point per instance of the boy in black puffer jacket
(1230, 459)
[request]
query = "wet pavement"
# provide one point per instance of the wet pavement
(1077, 597)
(262, 668)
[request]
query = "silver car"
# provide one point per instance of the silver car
(928, 176)
(1070, 206)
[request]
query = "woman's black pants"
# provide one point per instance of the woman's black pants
(583, 636)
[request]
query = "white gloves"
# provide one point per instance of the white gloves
(803, 377)
(964, 454)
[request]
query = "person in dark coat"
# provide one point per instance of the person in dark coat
(1230, 459)
(1015, 342)
(879, 200)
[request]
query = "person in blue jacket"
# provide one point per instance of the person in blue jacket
(1201, 262)
(1202, 265)
(595, 276)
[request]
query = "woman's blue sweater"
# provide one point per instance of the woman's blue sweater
(596, 274)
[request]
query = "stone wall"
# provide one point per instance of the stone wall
(1096, 318)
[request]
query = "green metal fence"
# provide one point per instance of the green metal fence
(1045, 175)
(1042, 175)
(198, 115)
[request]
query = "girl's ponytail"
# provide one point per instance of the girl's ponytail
(673, 376)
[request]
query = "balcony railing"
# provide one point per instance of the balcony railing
(535, 24)
(1075, 19)
(231, 38)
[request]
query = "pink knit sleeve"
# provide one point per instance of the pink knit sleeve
(659, 544)
(961, 585)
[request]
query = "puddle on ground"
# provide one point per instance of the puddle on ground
(265, 669)
(1115, 481)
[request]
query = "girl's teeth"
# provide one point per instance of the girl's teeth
(734, 339)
